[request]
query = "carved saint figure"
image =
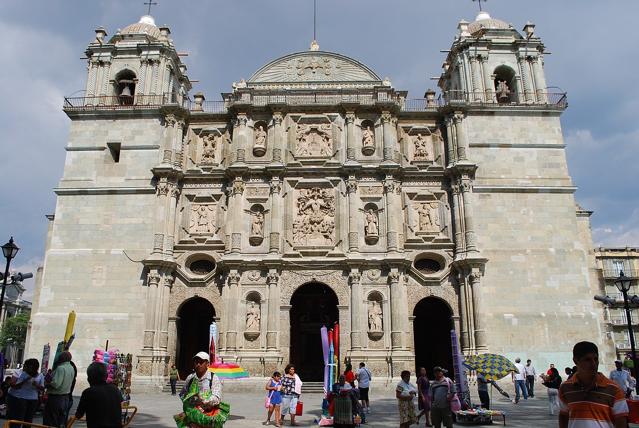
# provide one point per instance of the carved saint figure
(371, 228)
(208, 149)
(315, 221)
(368, 138)
(314, 140)
(428, 218)
(503, 91)
(257, 223)
(260, 137)
(421, 147)
(375, 316)
(201, 219)
(253, 317)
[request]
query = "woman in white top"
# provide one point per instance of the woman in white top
(405, 393)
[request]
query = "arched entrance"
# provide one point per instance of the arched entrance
(431, 332)
(312, 306)
(195, 316)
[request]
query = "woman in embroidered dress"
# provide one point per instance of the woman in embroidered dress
(405, 393)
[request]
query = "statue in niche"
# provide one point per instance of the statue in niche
(368, 141)
(375, 316)
(314, 140)
(259, 148)
(428, 217)
(371, 223)
(315, 220)
(209, 145)
(422, 151)
(202, 219)
(257, 224)
(503, 91)
(253, 317)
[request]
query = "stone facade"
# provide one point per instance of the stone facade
(316, 192)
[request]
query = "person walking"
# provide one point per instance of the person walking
(552, 382)
(101, 401)
(423, 396)
(22, 396)
(590, 399)
(291, 391)
(174, 376)
(363, 381)
(405, 393)
(531, 374)
(441, 391)
(273, 386)
(622, 378)
(58, 390)
(482, 391)
(519, 379)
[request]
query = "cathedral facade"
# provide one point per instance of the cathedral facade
(315, 193)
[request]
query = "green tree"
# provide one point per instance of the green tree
(14, 330)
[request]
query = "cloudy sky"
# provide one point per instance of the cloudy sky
(594, 58)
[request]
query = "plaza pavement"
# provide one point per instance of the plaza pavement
(247, 410)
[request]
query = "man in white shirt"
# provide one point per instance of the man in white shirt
(531, 373)
(622, 378)
(206, 380)
(519, 379)
(363, 383)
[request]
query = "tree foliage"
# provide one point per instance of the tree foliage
(14, 330)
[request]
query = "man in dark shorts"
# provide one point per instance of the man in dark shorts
(363, 381)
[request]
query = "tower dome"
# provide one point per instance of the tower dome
(146, 25)
(485, 22)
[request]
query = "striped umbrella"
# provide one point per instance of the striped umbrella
(227, 370)
(492, 366)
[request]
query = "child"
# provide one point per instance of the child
(274, 386)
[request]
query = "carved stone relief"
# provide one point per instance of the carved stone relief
(257, 225)
(428, 217)
(368, 141)
(210, 143)
(259, 145)
(423, 147)
(202, 219)
(375, 316)
(253, 316)
(371, 227)
(314, 223)
(314, 140)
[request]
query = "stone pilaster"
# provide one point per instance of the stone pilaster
(278, 137)
(91, 80)
(350, 137)
(104, 91)
(540, 82)
(240, 138)
(232, 303)
(399, 309)
(464, 338)
(236, 221)
(389, 143)
(353, 223)
(163, 321)
(477, 93)
(457, 215)
(272, 324)
(391, 188)
(460, 132)
(524, 68)
(357, 299)
(174, 195)
(451, 146)
(276, 220)
(469, 222)
(488, 79)
(152, 282)
(480, 332)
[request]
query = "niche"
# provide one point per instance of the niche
(375, 302)
(505, 85)
(368, 137)
(260, 138)
(125, 82)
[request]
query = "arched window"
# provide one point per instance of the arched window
(505, 85)
(125, 82)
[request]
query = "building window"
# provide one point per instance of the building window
(618, 267)
(114, 150)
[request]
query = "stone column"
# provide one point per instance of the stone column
(464, 328)
(457, 212)
(162, 190)
(105, 79)
(238, 215)
(480, 333)
(399, 310)
(154, 76)
(488, 80)
(278, 140)
(241, 138)
(540, 83)
(350, 137)
(353, 223)
(93, 71)
(389, 143)
(276, 220)
(471, 242)
(451, 145)
(462, 141)
(231, 311)
(393, 213)
(524, 67)
(355, 278)
(272, 324)
(152, 281)
(476, 81)
(141, 86)
(163, 323)
(170, 220)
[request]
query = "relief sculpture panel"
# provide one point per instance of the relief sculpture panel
(202, 219)
(314, 222)
(314, 140)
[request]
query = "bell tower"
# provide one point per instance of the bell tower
(138, 65)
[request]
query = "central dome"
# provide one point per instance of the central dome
(314, 68)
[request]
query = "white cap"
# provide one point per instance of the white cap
(202, 356)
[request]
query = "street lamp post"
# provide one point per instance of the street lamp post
(623, 284)
(9, 250)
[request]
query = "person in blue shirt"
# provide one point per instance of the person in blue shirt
(22, 398)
